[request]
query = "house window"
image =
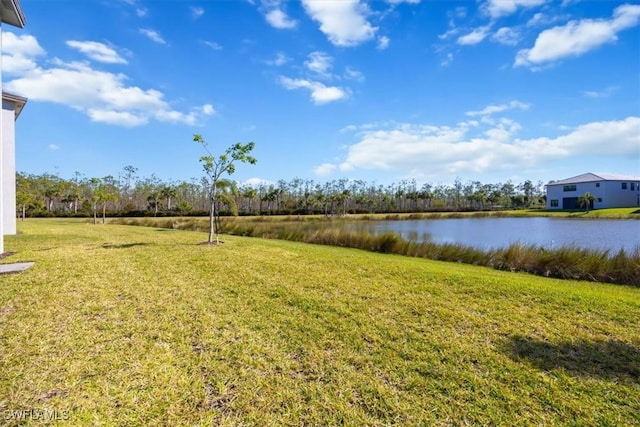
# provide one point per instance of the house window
(599, 199)
(624, 185)
(571, 187)
(597, 184)
(554, 203)
(633, 186)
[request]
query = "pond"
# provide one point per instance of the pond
(486, 233)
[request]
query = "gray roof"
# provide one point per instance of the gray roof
(12, 13)
(592, 177)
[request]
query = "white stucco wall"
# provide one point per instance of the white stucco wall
(610, 192)
(616, 197)
(8, 168)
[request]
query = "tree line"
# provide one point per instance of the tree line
(127, 194)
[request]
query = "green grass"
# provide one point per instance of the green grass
(622, 267)
(138, 326)
(608, 213)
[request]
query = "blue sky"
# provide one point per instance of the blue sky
(382, 91)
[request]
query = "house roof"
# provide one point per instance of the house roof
(592, 177)
(12, 13)
(17, 100)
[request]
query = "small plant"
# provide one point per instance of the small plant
(215, 168)
(586, 200)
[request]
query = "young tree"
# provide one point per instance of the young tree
(587, 200)
(215, 167)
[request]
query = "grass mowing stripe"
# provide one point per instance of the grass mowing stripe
(140, 326)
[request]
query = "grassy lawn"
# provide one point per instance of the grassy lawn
(609, 213)
(118, 325)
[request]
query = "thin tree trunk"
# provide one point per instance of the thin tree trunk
(214, 212)
(211, 220)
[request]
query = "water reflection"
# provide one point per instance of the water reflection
(486, 233)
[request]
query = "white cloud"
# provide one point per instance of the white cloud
(499, 8)
(578, 37)
(21, 45)
(475, 36)
(280, 59)
(320, 63)
(403, 1)
(320, 93)
(507, 36)
(352, 74)
(19, 52)
(153, 35)
(53, 147)
(278, 19)
(344, 22)
(383, 42)
(16, 64)
(196, 12)
(97, 51)
(103, 96)
(600, 94)
(539, 19)
(449, 33)
(493, 109)
(325, 169)
(212, 45)
(119, 118)
(543, 20)
(444, 149)
(256, 182)
(140, 11)
(447, 60)
(208, 110)
(173, 116)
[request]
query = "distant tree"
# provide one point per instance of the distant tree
(153, 200)
(168, 192)
(250, 194)
(586, 200)
(53, 190)
(214, 167)
(103, 191)
(94, 185)
(128, 175)
(25, 194)
(225, 196)
(527, 188)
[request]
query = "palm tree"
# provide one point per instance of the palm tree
(169, 192)
(587, 200)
